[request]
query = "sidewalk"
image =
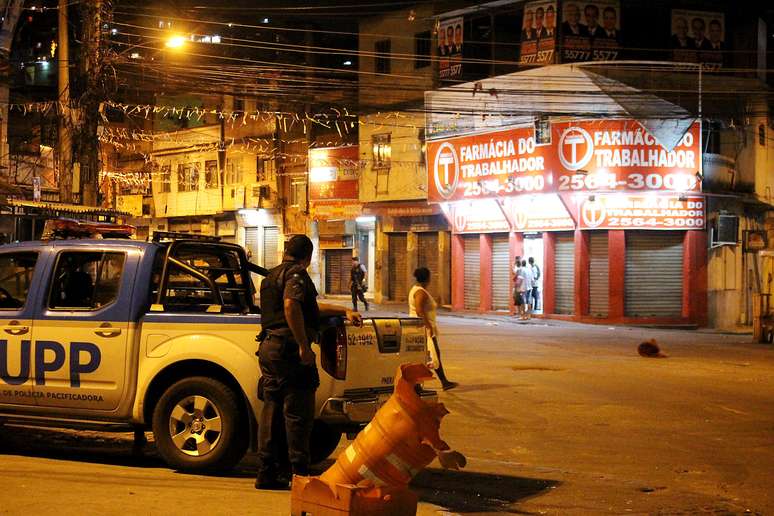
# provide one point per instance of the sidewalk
(401, 310)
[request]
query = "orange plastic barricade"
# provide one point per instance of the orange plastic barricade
(371, 476)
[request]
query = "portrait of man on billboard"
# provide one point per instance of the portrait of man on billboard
(716, 35)
(527, 30)
(442, 42)
(591, 15)
(550, 22)
(610, 24)
(680, 38)
(458, 38)
(540, 30)
(699, 27)
(571, 25)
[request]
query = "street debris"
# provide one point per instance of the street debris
(650, 349)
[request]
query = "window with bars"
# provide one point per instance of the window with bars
(211, 173)
(234, 171)
(165, 178)
(264, 169)
(298, 194)
(422, 49)
(187, 177)
(383, 49)
(382, 150)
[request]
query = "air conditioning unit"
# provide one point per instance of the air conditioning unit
(724, 230)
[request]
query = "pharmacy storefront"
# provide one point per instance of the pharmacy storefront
(614, 219)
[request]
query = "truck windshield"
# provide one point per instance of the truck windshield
(16, 271)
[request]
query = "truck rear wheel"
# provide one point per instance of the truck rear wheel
(325, 439)
(199, 426)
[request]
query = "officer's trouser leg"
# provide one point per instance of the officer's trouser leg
(299, 417)
(361, 296)
(353, 291)
(270, 436)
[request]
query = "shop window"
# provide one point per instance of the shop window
(86, 280)
(422, 49)
(382, 150)
(383, 49)
(298, 194)
(211, 173)
(165, 178)
(16, 271)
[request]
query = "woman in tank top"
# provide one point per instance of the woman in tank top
(422, 305)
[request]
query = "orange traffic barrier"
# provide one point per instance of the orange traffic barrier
(373, 473)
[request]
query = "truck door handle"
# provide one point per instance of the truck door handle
(14, 328)
(107, 331)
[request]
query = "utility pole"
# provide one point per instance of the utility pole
(64, 143)
(11, 12)
(90, 101)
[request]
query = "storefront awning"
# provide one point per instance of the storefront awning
(401, 209)
(61, 207)
(571, 90)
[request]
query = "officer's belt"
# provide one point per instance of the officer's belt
(286, 333)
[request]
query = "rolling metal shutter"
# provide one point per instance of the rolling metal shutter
(427, 256)
(501, 273)
(270, 244)
(564, 274)
(251, 245)
(337, 267)
(654, 274)
(397, 274)
(472, 271)
(599, 292)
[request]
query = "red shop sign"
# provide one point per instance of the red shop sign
(586, 155)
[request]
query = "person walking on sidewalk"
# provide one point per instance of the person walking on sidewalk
(422, 305)
(357, 283)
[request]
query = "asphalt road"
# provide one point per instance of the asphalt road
(554, 419)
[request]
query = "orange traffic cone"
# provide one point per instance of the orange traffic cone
(376, 468)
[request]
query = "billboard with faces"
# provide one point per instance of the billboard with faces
(590, 31)
(538, 33)
(450, 41)
(698, 37)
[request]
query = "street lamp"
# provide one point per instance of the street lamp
(175, 42)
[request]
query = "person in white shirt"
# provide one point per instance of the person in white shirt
(422, 305)
(524, 282)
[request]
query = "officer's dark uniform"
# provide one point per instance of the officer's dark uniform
(287, 386)
(356, 278)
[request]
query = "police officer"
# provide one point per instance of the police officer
(290, 318)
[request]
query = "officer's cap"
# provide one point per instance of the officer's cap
(299, 247)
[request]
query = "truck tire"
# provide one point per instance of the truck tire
(199, 426)
(325, 439)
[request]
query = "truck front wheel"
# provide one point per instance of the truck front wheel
(325, 439)
(198, 426)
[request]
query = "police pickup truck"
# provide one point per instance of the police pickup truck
(118, 335)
